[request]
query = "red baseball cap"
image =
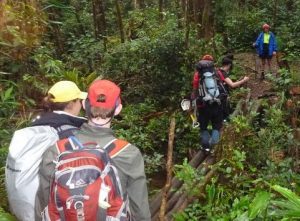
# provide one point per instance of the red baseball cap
(109, 92)
(207, 57)
(266, 26)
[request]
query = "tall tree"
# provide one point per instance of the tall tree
(139, 4)
(99, 21)
(160, 9)
(77, 7)
(178, 13)
(208, 19)
(187, 22)
(120, 21)
(275, 13)
(198, 14)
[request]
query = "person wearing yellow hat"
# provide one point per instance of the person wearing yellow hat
(62, 106)
(64, 96)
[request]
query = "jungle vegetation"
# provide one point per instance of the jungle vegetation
(149, 48)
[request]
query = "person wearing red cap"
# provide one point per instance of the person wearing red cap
(266, 47)
(102, 104)
(196, 78)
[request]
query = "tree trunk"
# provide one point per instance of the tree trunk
(169, 169)
(77, 6)
(120, 21)
(160, 10)
(179, 14)
(2, 14)
(138, 4)
(199, 7)
(290, 5)
(187, 24)
(275, 13)
(208, 19)
(99, 21)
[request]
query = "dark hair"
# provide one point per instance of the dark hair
(226, 61)
(230, 56)
(49, 105)
(95, 112)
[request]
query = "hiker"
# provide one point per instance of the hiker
(102, 104)
(266, 47)
(223, 73)
(207, 91)
(62, 105)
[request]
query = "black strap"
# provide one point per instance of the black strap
(65, 131)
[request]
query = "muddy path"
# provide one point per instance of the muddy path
(249, 63)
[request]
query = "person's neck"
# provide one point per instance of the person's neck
(99, 122)
(226, 69)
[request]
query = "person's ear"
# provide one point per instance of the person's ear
(118, 109)
(83, 103)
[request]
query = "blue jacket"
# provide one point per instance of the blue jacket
(260, 42)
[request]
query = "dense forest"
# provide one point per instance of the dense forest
(149, 48)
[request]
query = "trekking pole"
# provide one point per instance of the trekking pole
(255, 62)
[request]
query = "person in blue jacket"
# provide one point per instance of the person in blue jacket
(266, 47)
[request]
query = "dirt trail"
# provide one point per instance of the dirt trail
(248, 63)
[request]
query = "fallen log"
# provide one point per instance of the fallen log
(176, 184)
(184, 200)
(178, 194)
(238, 109)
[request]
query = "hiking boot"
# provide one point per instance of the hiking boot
(206, 149)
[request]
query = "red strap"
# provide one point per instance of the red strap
(221, 76)
(119, 145)
(196, 81)
(61, 145)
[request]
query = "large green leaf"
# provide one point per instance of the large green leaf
(259, 204)
(289, 208)
(291, 196)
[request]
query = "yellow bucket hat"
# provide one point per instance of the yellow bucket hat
(64, 91)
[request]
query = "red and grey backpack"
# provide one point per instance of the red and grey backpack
(208, 82)
(86, 186)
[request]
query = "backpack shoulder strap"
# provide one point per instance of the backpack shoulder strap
(220, 74)
(65, 131)
(116, 147)
(62, 145)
